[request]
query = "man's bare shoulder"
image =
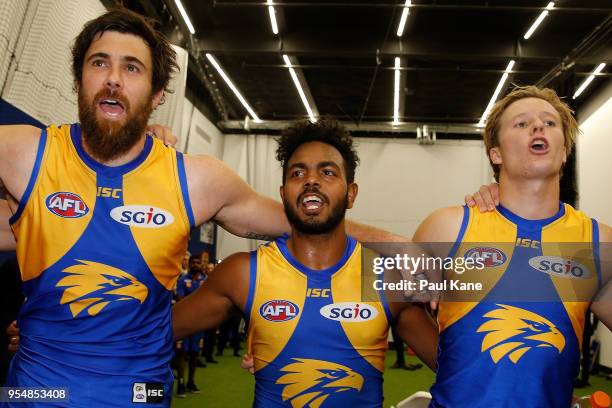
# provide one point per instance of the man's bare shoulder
(605, 233)
(203, 162)
(20, 132)
(605, 251)
(18, 147)
(231, 278)
(442, 225)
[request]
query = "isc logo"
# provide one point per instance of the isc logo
(143, 216)
(107, 192)
(557, 266)
(317, 292)
(279, 310)
(490, 256)
(67, 205)
(147, 392)
(349, 312)
(527, 243)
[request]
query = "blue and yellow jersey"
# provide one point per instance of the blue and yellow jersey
(188, 283)
(314, 343)
(100, 250)
(517, 343)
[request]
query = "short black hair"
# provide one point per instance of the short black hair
(325, 131)
(194, 257)
(123, 20)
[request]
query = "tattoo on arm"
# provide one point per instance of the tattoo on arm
(253, 235)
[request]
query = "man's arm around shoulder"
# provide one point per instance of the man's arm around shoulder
(226, 288)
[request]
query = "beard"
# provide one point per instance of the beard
(313, 227)
(108, 140)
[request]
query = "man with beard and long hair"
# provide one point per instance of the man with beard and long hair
(298, 293)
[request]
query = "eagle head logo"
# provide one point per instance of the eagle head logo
(310, 382)
(513, 331)
(91, 286)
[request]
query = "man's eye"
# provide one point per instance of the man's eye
(328, 172)
(132, 68)
(98, 63)
(521, 124)
(550, 123)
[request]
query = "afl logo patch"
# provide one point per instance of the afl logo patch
(279, 310)
(66, 205)
(143, 216)
(490, 256)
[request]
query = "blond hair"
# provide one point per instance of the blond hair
(568, 122)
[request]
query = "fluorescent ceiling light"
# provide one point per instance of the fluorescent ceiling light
(185, 16)
(229, 83)
(496, 93)
(396, 101)
(539, 20)
(272, 13)
(589, 79)
(296, 81)
(402, 23)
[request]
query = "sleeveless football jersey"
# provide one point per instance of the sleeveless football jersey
(517, 344)
(314, 343)
(99, 250)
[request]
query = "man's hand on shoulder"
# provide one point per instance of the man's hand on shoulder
(163, 133)
(486, 198)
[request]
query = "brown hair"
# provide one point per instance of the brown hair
(126, 21)
(568, 122)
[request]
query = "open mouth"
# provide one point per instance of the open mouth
(539, 146)
(312, 203)
(112, 107)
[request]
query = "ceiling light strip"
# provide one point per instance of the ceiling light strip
(272, 14)
(588, 81)
(231, 85)
(396, 96)
(402, 23)
(500, 85)
(186, 19)
(539, 20)
(296, 81)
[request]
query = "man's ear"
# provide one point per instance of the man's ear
(495, 155)
(157, 99)
(351, 193)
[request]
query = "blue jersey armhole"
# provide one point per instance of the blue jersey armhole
(252, 283)
(387, 309)
(33, 177)
(464, 223)
(184, 188)
(596, 251)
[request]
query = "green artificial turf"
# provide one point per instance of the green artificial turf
(226, 385)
